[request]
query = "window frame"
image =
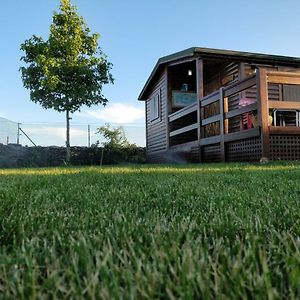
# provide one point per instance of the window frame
(155, 107)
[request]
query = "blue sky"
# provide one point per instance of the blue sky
(134, 34)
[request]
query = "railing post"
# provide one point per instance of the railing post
(222, 142)
(200, 92)
(225, 111)
(263, 111)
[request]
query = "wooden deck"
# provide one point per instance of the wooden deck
(253, 143)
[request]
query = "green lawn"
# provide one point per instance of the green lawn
(200, 231)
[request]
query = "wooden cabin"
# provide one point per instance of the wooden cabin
(209, 105)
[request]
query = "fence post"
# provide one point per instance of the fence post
(89, 136)
(18, 134)
(263, 111)
(222, 142)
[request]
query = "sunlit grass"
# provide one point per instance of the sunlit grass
(189, 231)
(208, 168)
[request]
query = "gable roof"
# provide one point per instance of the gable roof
(217, 53)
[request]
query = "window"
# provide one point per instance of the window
(155, 104)
(291, 92)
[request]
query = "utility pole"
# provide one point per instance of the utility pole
(89, 136)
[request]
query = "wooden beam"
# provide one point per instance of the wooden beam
(283, 73)
(200, 93)
(239, 86)
(222, 142)
(240, 111)
(210, 140)
(209, 99)
(181, 61)
(241, 135)
(263, 110)
(242, 73)
(284, 79)
(225, 113)
(284, 130)
(210, 120)
(183, 112)
(183, 129)
(284, 105)
(199, 74)
(185, 146)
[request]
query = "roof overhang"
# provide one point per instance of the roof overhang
(216, 53)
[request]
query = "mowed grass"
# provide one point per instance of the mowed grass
(221, 231)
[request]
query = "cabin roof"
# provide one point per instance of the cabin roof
(215, 53)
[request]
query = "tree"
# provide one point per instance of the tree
(69, 69)
(115, 137)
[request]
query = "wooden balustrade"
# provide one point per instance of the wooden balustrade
(262, 106)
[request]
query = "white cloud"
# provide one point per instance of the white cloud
(119, 113)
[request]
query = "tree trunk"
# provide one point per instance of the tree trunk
(68, 151)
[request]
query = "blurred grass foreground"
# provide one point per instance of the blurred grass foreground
(221, 231)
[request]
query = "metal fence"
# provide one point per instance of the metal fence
(54, 134)
(8, 131)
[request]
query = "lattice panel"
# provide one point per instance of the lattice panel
(244, 150)
(211, 153)
(284, 147)
(195, 154)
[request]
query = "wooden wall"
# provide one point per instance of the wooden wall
(221, 74)
(156, 131)
(276, 92)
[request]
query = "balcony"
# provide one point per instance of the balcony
(262, 105)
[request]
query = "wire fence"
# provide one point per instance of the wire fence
(8, 131)
(54, 134)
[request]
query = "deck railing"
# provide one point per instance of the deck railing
(223, 117)
(274, 77)
(261, 106)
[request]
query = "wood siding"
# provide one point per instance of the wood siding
(156, 133)
(223, 75)
(276, 92)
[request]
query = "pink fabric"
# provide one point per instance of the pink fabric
(246, 101)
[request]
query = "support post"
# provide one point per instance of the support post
(200, 93)
(263, 111)
(225, 111)
(222, 142)
(18, 134)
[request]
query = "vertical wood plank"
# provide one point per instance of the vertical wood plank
(225, 111)
(263, 111)
(200, 93)
(242, 71)
(222, 143)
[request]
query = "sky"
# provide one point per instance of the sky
(134, 34)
